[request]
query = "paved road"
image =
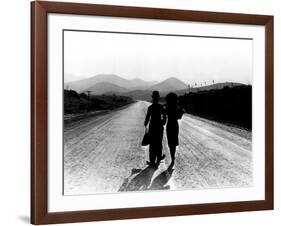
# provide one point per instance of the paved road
(103, 154)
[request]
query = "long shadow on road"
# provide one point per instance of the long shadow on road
(141, 179)
(161, 181)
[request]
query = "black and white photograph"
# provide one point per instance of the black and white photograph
(148, 112)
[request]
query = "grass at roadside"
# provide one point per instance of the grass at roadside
(75, 103)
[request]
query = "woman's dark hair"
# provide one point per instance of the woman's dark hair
(172, 99)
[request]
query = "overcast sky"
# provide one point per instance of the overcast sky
(151, 57)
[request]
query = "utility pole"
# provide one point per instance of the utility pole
(89, 93)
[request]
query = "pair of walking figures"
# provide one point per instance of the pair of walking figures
(156, 118)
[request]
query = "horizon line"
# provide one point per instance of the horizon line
(157, 82)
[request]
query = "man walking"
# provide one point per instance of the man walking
(156, 118)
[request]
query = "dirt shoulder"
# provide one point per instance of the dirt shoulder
(247, 134)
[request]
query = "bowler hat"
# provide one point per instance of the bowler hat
(155, 94)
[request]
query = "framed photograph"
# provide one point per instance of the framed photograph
(149, 112)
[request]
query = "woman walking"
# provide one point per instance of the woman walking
(172, 128)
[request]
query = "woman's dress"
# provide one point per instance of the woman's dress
(172, 127)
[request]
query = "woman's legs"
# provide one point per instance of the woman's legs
(172, 152)
(172, 130)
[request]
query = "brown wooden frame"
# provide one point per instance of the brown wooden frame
(39, 109)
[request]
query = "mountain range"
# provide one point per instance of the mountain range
(136, 88)
(118, 82)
